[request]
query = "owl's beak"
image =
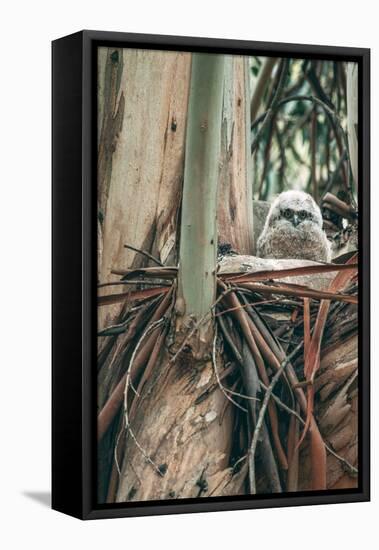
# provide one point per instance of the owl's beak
(295, 220)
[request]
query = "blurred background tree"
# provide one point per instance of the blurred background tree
(299, 128)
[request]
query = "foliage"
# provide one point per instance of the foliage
(303, 146)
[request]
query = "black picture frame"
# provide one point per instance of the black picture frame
(74, 273)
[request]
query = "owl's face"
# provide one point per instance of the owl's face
(294, 210)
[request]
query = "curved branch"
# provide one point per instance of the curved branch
(261, 85)
(269, 114)
(334, 119)
(261, 415)
(285, 100)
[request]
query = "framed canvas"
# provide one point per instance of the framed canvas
(211, 283)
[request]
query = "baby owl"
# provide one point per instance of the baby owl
(293, 229)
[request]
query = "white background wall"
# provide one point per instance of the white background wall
(26, 31)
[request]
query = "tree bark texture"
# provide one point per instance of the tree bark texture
(235, 200)
(352, 116)
(186, 436)
(143, 106)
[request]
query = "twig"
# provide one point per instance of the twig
(133, 296)
(199, 323)
(149, 329)
(267, 149)
(352, 468)
(248, 327)
(280, 403)
(333, 178)
(261, 415)
(262, 331)
(128, 429)
(242, 395)
(313, 140)
(214, 364)
(334, 120)
(261, 84)
(317, 88)
(137, 282)
(302, 421)
(144, 253)
(251, 382)
(167, 272)
(314, 81)
(268, 115)
(301, 291)
(116, 449)
(285, 100)
(269, 274)
(282, 157)
(244, 457)
(242, 306)
(113, 403)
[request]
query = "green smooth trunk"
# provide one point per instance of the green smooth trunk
(198, 239)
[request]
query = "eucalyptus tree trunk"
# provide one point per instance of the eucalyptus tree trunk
(150, 122)
(186, 438)
(235, 200)
(261, 85)
(198, 236)
(142, 113)
(337, 411)
(352, 116)
(142, 106)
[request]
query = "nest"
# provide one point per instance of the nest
(268, 332)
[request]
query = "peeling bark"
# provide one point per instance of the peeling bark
(189, 439)
(142, 196)
(142, 204)
(189, 442)
(235, 202)
(337, 413)
(352, 116)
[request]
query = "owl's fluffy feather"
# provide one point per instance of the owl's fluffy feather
(281, 238)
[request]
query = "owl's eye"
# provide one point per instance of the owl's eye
(287, 213)
(303, 214)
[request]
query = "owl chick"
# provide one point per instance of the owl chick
(293, 229)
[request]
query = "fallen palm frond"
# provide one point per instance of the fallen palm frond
(270, 335)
